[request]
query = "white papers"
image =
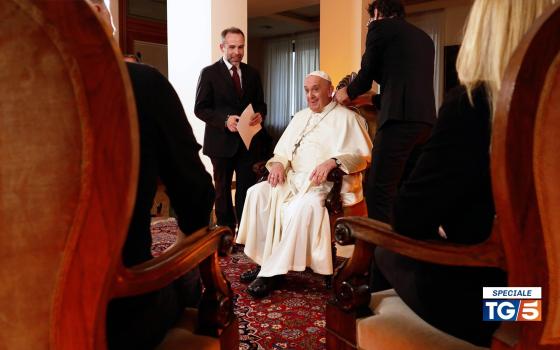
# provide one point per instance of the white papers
(245, 130)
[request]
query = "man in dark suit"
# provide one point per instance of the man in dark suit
(400, 57)
(224, 90)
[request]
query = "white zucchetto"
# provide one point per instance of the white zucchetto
(320, 74)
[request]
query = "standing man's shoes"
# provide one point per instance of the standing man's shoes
(250, 275)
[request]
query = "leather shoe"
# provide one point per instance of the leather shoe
(250, 275)
(262, 286)
(236, 248)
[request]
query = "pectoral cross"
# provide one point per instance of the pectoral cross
(305, 131)
(296, 146)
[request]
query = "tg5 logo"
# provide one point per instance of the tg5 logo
(511, 304)
(511, 310)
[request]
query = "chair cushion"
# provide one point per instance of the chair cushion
(182, 335)
(395, 326)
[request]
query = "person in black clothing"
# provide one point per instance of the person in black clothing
(451, 186)
(168, 150)
(224, 90)
(400, 57)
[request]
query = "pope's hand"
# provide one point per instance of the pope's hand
(276, 174)
(320, 173)
(341, 96)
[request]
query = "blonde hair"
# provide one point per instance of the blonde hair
(494, 29)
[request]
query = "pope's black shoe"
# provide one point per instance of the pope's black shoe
(262, 286)
(250, 275)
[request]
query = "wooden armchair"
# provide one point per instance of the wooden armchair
(524, 240)
(333, 203)
(69, 154)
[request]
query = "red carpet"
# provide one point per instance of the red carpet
(291, 318)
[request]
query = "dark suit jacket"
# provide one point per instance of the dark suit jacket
(399, 57)
(216, 99)
(168, 150)
(450, 186)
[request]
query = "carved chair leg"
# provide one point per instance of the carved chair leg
(216, 307)
(351, 298)
(328, 281)
(328, 278)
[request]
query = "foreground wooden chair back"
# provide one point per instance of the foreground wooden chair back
(546, 170)
(69, 155)
(523, 171)
(69, 159)
(525, 237)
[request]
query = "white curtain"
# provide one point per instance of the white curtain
(278, 84)
(287, 61)
(306, 61)
(433, 23)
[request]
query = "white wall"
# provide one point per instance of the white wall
(342, 36)
(455, 18)
(113, 6)
(189, 39)
(228, 13)
(193, 38)
(455, 13)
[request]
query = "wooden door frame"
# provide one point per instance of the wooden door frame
(131, 29)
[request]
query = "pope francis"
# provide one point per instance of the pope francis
(285, 225)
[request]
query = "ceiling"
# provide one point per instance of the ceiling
(284, 21)
(257, 8)
(270, 18)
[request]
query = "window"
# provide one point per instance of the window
(287, 61)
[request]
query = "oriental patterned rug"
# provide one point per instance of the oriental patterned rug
(292, 317)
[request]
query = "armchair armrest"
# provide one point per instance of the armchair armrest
(351, 278)
(184, 255)
(198, 249)
(333, 202)
(488, 253)
(260, 170)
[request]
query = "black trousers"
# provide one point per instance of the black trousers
(396, 147)
(141, 322)
(242, 163)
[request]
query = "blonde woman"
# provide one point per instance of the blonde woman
(450, 185)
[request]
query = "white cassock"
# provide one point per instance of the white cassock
(286, 228)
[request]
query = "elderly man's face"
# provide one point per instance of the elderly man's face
(318, 92)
